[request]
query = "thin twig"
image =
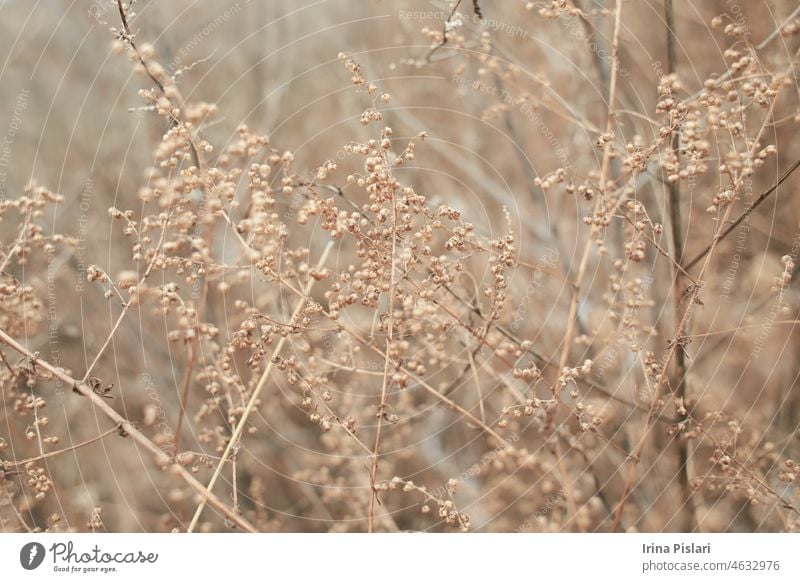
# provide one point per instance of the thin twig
(777, 30)
(237, 433)
(680, 334)
(386, 363)
(129, 38)
(127, 428)
(612, 95)
(766, 194)
(18, 243)
(127, 305)
(445, 37)
(660, 250)
(62, 451)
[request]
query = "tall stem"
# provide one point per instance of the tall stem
(679, 379)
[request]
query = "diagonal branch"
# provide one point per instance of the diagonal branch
(766, 194)
(126, 428)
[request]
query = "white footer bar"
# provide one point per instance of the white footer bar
(400, 557)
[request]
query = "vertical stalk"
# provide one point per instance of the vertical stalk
(679, 379)
(386, 382)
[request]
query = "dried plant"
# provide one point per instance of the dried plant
(534, 309)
